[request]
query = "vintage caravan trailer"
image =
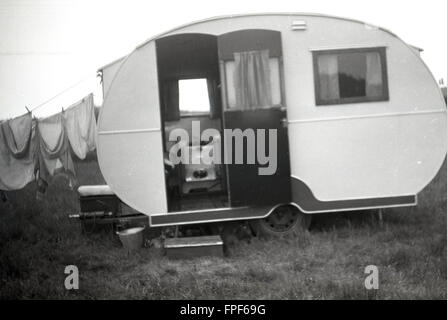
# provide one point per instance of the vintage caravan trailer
(358, 120)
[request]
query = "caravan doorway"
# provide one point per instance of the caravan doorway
(190, 102)
(229, 83)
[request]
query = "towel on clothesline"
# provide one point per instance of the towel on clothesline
(53, 148)
(80, 125)
(17, 150)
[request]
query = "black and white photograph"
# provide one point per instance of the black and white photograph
(214, 152)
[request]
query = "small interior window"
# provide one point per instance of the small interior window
(193, 96)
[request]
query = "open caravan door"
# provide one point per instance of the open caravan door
(254, 112)
(130, 150)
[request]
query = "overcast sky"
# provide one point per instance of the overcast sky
(47, 46)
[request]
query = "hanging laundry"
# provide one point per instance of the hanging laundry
(80, 125)
(35, 149)
(16, 152)
(53, 149)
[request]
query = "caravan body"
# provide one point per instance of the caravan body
(361, 121)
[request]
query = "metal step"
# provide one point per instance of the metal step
(193, 247)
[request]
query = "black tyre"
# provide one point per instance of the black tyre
(284, 220)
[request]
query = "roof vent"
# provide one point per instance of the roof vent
(299, 25)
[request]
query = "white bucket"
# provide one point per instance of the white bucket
(132, 239)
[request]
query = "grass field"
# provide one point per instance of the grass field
(37, 241)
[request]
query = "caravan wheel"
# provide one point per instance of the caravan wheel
(283, 220)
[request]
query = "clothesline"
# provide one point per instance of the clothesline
(59, 94)
(45, 103)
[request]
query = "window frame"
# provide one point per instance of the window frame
(316, 72)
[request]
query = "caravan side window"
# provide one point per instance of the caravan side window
(350, 76)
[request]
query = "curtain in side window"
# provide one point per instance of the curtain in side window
(252, 79)
(328, 77)
(373, 75)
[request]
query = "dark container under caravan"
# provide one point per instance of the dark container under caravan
(103, 203)
(98, 199)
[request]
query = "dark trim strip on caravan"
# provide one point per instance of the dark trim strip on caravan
(306, 201)
(211, 215)
(302, 198)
